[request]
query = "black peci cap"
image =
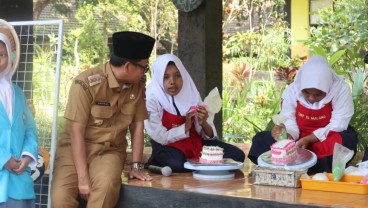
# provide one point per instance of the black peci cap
(130, 45)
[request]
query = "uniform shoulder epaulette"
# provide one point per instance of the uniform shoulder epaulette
(81, 83)
(95, 79)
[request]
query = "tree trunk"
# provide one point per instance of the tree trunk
(38, 7)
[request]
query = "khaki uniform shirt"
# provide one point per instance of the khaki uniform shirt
(97, 100)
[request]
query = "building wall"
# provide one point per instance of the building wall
(299, 27)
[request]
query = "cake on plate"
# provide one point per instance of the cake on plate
(212, 155)
(283, 151)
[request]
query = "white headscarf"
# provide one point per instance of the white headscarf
(188, 95)
(316, 73)
(6, 90)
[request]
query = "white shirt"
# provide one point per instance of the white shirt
(161, 134)
(158, 100)
(317, 74)
(6, 90)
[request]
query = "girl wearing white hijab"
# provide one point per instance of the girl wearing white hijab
(177, 123)
(18, 136)
(319, 106)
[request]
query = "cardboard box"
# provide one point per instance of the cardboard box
(277, 176)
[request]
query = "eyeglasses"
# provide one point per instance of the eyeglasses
(144, 68)
(3, 55)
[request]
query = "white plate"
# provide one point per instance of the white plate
(228, 164)
(304, 160)
(213, 171)
(213, 175)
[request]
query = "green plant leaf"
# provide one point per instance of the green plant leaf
(336, 56)
(319, 51)
(340, 72)
(358, 84)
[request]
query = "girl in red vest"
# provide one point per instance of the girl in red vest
(178, 133)
(319, 107)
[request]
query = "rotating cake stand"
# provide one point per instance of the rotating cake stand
(304, 160)
(213, 171)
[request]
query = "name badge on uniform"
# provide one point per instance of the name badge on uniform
(132, 96)
(94, 79)
(101, 103)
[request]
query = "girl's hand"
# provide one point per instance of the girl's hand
(307, 140)
(23, 164)
(139, 174)
(13, 163)
(189, 120)
(277, 131)
(202, 115)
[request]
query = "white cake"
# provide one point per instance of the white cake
(212, 155)
(283, 151)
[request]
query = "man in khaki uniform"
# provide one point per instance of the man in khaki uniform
(104, 102)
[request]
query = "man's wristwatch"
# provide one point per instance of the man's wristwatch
(138, 166)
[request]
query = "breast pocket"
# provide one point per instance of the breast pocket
(102, 115)
(128, 111)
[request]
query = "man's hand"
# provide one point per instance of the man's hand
(141, 175)
(84, 186)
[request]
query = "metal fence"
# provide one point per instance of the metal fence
(38, 75)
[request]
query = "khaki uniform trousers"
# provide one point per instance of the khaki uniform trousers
(105, 167)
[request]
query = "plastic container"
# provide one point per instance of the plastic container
(347, 184)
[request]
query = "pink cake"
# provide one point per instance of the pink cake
(283, 151)
(212, 155)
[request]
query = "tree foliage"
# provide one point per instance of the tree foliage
(156, 17)
(342, 37)
(86, 44)
(344, 28)
(262, 45)
(265, 40)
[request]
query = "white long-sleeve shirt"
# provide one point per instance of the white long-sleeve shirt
(342, 111)
(160, 133)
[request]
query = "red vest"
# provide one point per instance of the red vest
(309, 120)
(191, 146)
